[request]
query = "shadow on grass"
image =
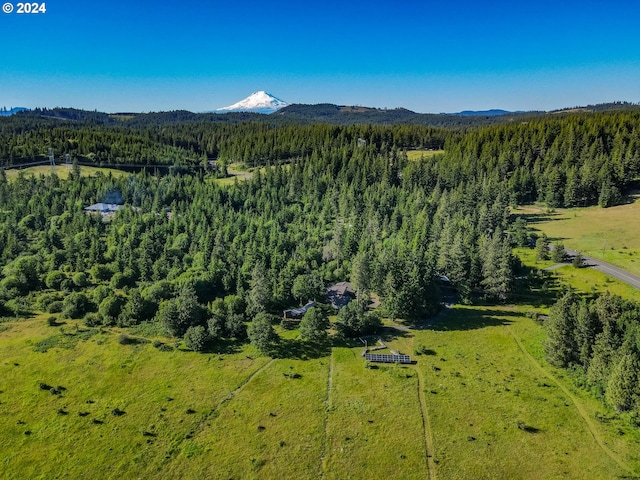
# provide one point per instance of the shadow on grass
(538, 217)
(535, 287)
(469, 319)
(224, 346)
(300, 350)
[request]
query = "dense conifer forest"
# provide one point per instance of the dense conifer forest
(193, 258)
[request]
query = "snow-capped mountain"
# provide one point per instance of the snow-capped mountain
(259, 102)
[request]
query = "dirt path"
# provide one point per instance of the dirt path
(325, 440)
(426, 426)
(583, 413)
(244, 383)
(200, 426)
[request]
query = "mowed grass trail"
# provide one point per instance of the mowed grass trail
(610, 234)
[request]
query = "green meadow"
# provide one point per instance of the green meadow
(480, 402)
(610, 234)
(62, 171)
(584, 280)
(418, 154)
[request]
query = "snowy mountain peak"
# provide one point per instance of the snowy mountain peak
(259, 102)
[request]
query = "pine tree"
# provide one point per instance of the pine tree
(560, 346)
(314, 325)
(261, 333)
(622, 387)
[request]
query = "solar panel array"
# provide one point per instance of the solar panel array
(386, 358)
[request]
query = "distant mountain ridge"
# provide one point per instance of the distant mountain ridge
(307, 114)
(488, 113)
(7, 113)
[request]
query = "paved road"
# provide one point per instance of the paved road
(609, 269)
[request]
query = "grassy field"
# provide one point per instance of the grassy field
(491, 408)
(237, 173)
(62, 171)
(610, 234)
(418, 154)
(581, 279)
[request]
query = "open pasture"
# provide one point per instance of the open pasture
(610, 234)
(479, 403)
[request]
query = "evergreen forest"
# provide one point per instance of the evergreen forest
(190, 257)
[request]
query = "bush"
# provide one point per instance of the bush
(93, 319)
(80, 279)
(75, 305)
(45, 299)
(51, 321)
(100, 273)
(100, 293)
(110, 308)
(196, 338)
(55, 307)
(54, 279)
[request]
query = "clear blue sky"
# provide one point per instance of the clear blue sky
(428, 56)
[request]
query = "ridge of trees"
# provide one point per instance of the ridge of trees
(600, 339)
(190, 247)
(564, 160)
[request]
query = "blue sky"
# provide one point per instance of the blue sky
(428, 56)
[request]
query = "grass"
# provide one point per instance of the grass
(62, 171)
(237, 173)
(418, 154)
(581, 279)
(493, 413)
(374, 427)
(609, 234)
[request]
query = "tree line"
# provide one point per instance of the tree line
(193, 253)
(600, 339)
(563, 160)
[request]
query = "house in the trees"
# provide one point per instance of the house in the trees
(298, 313)
(103, 209)
(340, 294)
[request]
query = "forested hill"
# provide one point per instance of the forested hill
(568, 159)
(342, 213)
(331, 203)
(292, 114)
(350, 115)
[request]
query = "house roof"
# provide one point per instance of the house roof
(103, 207)
(341, 289)
(299, 312)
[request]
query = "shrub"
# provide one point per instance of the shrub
(75, 305)
(100, 273)
(93, 319)
(55, 307)
(196, 338)
(54, 279)
(110, 308)
(80, 279)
